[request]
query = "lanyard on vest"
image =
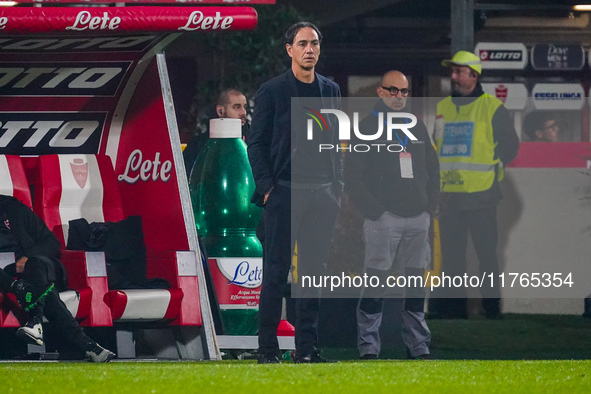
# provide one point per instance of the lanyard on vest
(403, 145)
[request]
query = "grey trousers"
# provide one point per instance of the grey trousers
(394, 245)
(415, 333)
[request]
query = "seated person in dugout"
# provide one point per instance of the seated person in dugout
(541, 126)
(39, 277)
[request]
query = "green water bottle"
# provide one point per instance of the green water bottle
(221, 186)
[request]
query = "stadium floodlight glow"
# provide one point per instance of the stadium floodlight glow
(8, 3)
(582, 7)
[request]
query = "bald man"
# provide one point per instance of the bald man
(396, 190)
(230, 103)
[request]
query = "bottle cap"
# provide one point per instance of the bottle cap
(225, 128)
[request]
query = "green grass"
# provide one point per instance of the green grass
(344, 377)
(516, 337)
(519, 354)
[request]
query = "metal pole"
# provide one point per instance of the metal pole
(462, 25)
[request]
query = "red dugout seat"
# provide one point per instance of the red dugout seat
(85, 186)
(13, 182)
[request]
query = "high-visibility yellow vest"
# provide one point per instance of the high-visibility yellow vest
(465, 145)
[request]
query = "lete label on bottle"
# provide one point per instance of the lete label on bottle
(242, 271)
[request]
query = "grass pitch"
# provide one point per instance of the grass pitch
(344, 377)
(519, 354)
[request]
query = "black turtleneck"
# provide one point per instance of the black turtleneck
(309, 165)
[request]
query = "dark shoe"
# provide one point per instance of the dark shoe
(422, 357)
(267, 358)
(426, 356)
(32, 332)
(311, 358)
(28, 295)
(369, 357)
(99, 354)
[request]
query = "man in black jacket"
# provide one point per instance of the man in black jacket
(396, 190)
(298, 186)
(41, 275)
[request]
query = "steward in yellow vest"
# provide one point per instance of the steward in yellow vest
(465, 143)
(475, 138)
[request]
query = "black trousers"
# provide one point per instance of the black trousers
(454, 226)
(40, 272)
(5, 281)
(305, 216)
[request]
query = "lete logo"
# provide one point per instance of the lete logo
(86, 21)
(136, 168)
(244, 272)
(198, 21)
(246, 276)
(79, 171)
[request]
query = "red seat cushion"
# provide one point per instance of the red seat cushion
(144, 304)
(13, 180)
(76, 186)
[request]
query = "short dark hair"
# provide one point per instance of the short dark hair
(293, 31)
(536, 121)
(223, 98)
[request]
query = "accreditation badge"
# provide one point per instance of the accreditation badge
(406, 165)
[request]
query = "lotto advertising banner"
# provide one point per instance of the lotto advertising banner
(25, 20)
(502, 55)
(71, 95)
(59, 94)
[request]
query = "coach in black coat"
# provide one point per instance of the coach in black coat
(272, 145)
(298, 184)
